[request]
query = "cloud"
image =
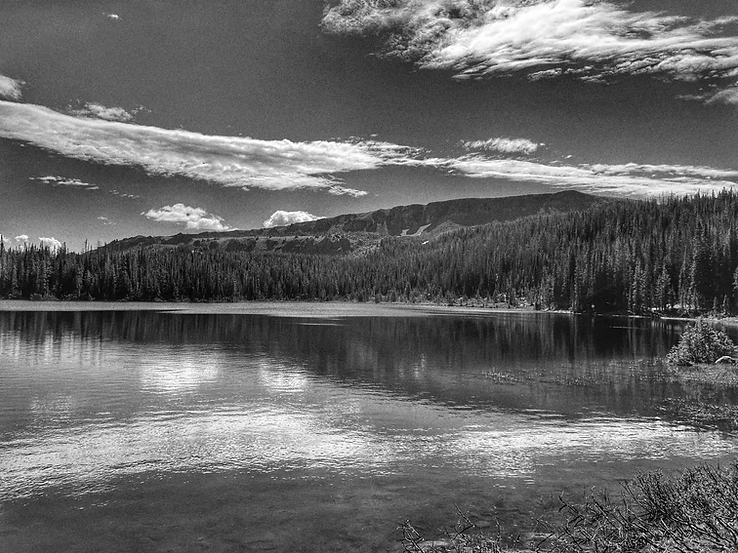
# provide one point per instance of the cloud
(503, 145)
(99, 111)
(226, 160)
(10, 89)
(288, 165)
(544, 38)
(105, 221)
(337, 190)
(21, 238)
(631, 179)
(113, 16)
(728, 96)
(283, 218)
(52, 243)
(194, 218)
(124, 195)
(6, 240)
(65, 181)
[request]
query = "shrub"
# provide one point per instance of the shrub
(700, 343)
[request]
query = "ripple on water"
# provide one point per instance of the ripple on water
(378, 407)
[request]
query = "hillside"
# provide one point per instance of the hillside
(351, 232)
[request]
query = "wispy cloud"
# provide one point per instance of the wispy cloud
(124, 195)
(194, 218)
(588, 38)
(288, 165)
(632, 179)
(65, 181)
(10, 89)
(226, 160)
(283, 218)
(100, 111)
(503, 145)
(105, 221)
(52, 243)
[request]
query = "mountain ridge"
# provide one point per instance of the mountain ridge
(355, 231)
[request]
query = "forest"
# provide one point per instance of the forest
(642, 257)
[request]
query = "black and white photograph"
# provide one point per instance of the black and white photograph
(372, 276)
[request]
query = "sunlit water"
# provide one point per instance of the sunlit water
(166, 431)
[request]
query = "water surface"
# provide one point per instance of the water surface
(190, 430)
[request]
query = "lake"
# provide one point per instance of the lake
(322, 427)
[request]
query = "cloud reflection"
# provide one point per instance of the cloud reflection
(520, 451)
(280, 378)
(264, 437)
(180, 371)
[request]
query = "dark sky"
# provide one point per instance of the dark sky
(132, 117)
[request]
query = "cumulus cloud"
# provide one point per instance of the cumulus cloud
(100, 111)
(283, 218)
(10, 89)
(194, 218)
(21, 238)
(727, 96)
(503, 145)
(113, 16)
(65, 181)
(592, 39)
(226, 160)
(52, 243)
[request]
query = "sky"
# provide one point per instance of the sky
(153, 117)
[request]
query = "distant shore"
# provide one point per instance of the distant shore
(326, 309)
(318, 309)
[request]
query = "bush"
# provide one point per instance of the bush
(700, 343)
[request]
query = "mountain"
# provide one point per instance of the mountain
(351, 232)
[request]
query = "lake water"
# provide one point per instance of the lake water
(321, 427)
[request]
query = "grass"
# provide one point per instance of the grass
(692, 512)
(460, 539)
(696, 511)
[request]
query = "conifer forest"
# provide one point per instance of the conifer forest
(640, 257)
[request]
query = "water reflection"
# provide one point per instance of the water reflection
(173, 371)
(88, 399)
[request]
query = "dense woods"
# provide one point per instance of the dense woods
(677, 254)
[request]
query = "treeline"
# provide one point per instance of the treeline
(676, 254)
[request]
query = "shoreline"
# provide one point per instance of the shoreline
(319, 309)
